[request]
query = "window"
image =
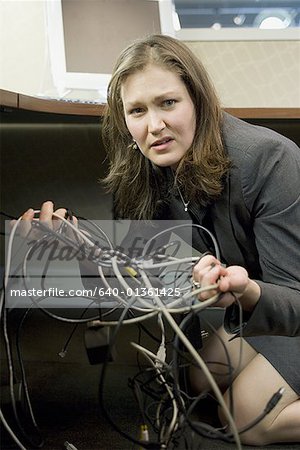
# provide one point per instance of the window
(230, 15)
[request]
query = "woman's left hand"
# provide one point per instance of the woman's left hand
(233, 282)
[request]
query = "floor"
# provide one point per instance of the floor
(65, 399)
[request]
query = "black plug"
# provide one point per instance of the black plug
(97, 344)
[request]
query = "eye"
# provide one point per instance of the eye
(136, 111)
(169, 102)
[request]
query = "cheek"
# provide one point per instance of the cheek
(134, 129)
(190, 126)
(128, 125)
(187, 130)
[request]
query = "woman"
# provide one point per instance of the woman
(175, 155)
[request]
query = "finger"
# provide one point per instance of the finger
(208, 274)
(224, 284)
(57, 222)
(211, 276)
(28, 215)
(24, 226)
(206, 262)
(71, 233)
(61, 212)
(46, 213)
(75, 221)
(236, 280)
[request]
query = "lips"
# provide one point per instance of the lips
(161, 142)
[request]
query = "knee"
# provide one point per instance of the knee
(197, 380)
(259, 435)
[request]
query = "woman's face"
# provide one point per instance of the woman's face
(159, 114)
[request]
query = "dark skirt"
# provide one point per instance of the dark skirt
(284, 355)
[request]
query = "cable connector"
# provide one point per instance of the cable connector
(97, 344)
(144, 433)
(145, 263)
(133, 273)
(274, 400)
(161, 356)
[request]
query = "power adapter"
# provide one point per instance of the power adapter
(98, 346)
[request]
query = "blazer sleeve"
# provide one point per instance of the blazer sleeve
(270, 178)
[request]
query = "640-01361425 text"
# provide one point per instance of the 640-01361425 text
(96, 292)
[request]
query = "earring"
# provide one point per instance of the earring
(134, 146)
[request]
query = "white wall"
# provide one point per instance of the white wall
(253, 73)
(246, 74)
(24, 65)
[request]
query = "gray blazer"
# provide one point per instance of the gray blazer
(256, 222)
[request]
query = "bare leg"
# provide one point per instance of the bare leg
(255, 381)
(240, 353)
(252, 389)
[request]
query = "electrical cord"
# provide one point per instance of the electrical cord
(147, 445)
(29, 439)
(268, 408)
(171, 413)
(201, 363)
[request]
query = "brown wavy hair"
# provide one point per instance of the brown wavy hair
(138, 185)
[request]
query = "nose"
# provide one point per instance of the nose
(155, 123)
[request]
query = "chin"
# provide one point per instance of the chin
(168, 162)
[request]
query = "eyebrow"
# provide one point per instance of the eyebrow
(168, 94)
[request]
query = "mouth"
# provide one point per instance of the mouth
(162, 143)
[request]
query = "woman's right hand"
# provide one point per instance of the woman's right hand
(45, 217)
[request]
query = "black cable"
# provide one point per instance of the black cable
(208, 431)
(147, 445)
(268, 408)
(176, 392)
(230, 368)
(63, 351)
(23, 373)
(46, 311)
(183, 325)
(9, 216)
(21, 429)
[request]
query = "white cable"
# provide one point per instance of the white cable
(199, 361)
(191, 294)
(127, 287)
(73, 227)
(125, 321)
(9, 252)
(2, 297)
(7, 272)
(11, 433)
(108, 286)
(156, 308)
(149, 355)
(146, 264)
(161, 353)
(194, 225)
(123, 301)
